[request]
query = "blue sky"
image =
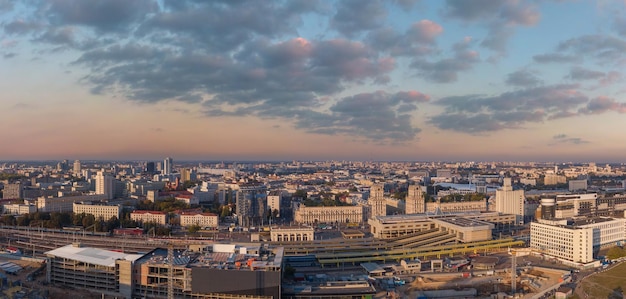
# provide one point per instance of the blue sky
(364, 80)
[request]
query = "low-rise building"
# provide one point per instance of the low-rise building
(197, 218)
(157, 217)
(292, 233)
(333, 214)
(99, 211)
(19, 209)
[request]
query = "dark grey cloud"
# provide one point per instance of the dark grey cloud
(21, 27)
(523, 78)
(620, 25)
(477, 114)
(9, 55)
(355, 16)
(500, 17)
(565, 139)
(101, 15)
(378, 116)
(446, 70)
(555, 58)
(579, 73)
(418, 40)
(603, 104)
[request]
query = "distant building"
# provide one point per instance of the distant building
(104, 185)
(157, 217)
(150, 168)
(77, 168)
(105, 212)
(251, 201)
(167, 166)
(63, 204)
(509, 201)
(273, 201)
(13, 191)
(415, 203)
(330, 215)
(201, 219)
(376, 201)
(292, 233)
(19, 209)
(577, 185)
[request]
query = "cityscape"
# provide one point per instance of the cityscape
(309, 149)
(309, 229)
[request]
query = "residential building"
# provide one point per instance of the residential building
(77, 168)
(19, 209)
(331, 215)
(99, 211)
(577, 185)
(158, 217)
(104, 185)
(251, 201)
(13, 191)
(63, 204)
(167, 166)
(196, 218)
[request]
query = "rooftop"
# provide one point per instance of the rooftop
(92, 255)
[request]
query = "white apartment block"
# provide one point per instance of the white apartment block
(201, 219)
(99, 211)
(509, 201)
(63, 204)
(104, 185)
(576, 240)
(19, 209)
(149, 217)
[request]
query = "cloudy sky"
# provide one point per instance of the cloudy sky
(483, 80)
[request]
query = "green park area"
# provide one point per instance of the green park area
(608, 284)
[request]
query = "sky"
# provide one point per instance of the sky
(400, 80)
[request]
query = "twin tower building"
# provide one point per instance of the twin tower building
(415, 202)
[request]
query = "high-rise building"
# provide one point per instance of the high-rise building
(104, 185)
(13, 191)
(150, 167)
(509, 201)
(167, 166)
(377, 202)
(77, 168)
(251, 203)
(188, 174)
(415, 202)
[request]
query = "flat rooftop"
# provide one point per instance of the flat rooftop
(90, 255)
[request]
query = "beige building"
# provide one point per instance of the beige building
(289, 233)
(415, 203)
(149, 217)
(201, 219)
(376, 201)
(99, 211)
(577, 240)
(509, 201)
(334, 214)
(454, 207)
(63, 204)
(19, 209)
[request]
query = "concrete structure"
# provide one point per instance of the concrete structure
(577, 185)
(201, 219)
(19, 209)
(251, 203)
(376, 201)
(568, 206)
(292, 233)
(465, 229)
(105, 185)
(332, 215)
(102, 271)
(13, 191)
(158, 217)
(167, 166)
(77, 168)
(99, 211)
(509, 201)
(273, 201)
(63, 204)
(415, 203)
(579, 240)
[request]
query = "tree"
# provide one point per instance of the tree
(193, 228)
(615, 252)
(300, 194)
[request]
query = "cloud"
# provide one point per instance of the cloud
(579, 73)
(603, 49)
(418, 40)
(603, 104)
(565, 139)
(355, 16)
(378, 116)
(511, 110)
(446, 70)
(523, 78)
(555, 58)
(500, 17)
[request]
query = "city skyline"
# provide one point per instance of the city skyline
(313, 80)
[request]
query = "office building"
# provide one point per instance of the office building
(509, 201)
(330, 215)
(99, 211)
(157, 217)
(251, 202)
(577, 185)
(77, 168)
(104, 185)
(13, 191)
(150, 168)
(576, 240)
(167, 166)
(204, 220)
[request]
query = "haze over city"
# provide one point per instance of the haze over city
(281, 80)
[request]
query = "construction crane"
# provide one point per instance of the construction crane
(170, 271)
(513, 270)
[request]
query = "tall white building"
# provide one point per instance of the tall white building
(77, 168)
(509, 201)
(167, 165)
(415, 200)
(376, 201)
(104, 184)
